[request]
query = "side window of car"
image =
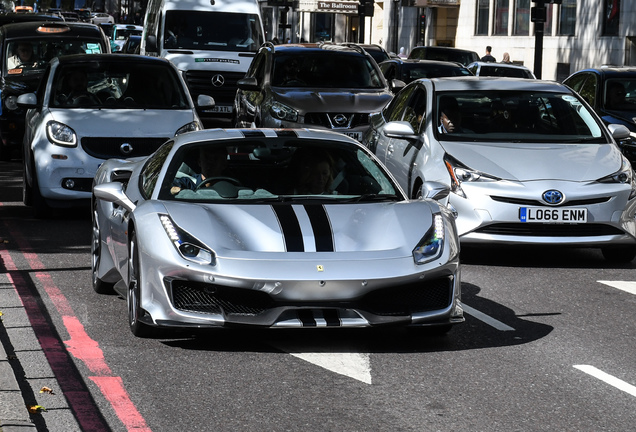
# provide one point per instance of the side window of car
(150, 172)
(415, 110)
(589, 88)
(395, 110)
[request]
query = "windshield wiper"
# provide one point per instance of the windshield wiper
(373, 198)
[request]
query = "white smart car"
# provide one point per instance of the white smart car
(94, 107)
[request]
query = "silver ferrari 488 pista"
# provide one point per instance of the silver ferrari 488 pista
(272, 228)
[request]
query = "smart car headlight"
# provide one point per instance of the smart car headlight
(60, 134)
(190, 127)
(432, 244)
(625, 175)
(283, 112)
(460, 173)
(188, 247)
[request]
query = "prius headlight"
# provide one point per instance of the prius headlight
(187, 246)
(60, 134)
(460, 173)
(432, 244)
(625, 175)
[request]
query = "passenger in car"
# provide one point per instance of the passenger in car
(77, 87)
(22, 56)
(314, 173)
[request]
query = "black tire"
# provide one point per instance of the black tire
(99, 285)
(619, 254)
(135, 311)
(27, 193)
(41, 209)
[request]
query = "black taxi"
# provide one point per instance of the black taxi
(27, 48)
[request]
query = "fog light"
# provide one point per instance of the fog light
(69, 184)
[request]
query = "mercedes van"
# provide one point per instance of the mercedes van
(212, 42)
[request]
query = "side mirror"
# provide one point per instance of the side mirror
(205, 101)
(400, 130)
(248, 84)
(151, 43)
(435, 190)
(27, 100)
(114, 192)
(397, 85)
(618, 131)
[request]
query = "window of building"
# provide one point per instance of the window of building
(323, 27)
(522, 18)
(501, 17)
(483, 12)
(611, 16)
(567, 18)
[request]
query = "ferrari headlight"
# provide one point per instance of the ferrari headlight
(432, 244)
(283, 112)
(60, 134)
(460, 173)
(190, 127)
(187, 246)
(11, 102)
(625, 175)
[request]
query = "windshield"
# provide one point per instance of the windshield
(273, 170)
(212, 31)
(518, 116)
(117, 85)
(325, 69)
(25, 57)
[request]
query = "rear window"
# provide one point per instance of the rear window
(502, 71)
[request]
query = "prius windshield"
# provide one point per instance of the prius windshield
(212, 31)
(518, 116)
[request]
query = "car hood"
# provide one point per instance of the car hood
(387, 229)
(524, 162)
(328, 100)
(123, 122)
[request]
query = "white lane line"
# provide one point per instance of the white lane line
(609, 379)
(351, 364)
(626, 286)
(487, 319)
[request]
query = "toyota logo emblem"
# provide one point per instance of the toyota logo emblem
(126, 148)
(340, 119)
(218, 80)
(553, 197)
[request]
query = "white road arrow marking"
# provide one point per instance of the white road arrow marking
(351, 364)
(626, 286)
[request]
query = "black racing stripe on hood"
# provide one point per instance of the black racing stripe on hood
(250, 133)
(291, 228)
(321, 226)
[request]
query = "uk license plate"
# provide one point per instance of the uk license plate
(553, 215)
(354, 135)
(226, 109)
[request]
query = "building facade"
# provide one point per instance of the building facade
(576, 33)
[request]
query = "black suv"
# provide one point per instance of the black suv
(322, 86)
(21, 73)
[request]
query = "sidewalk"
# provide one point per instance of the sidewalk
(24, 371)
(14, 415)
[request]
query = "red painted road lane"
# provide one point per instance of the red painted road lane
(80, 345)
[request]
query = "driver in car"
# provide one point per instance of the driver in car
(212, 160)
(22, 56)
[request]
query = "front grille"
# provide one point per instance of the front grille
(109, 147)
(422, 296)
(326, 120)
(200, 82)
(549, 230)
(408, 299)
(193, 297)
(530, 202)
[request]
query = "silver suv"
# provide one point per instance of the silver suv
(321, 86)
